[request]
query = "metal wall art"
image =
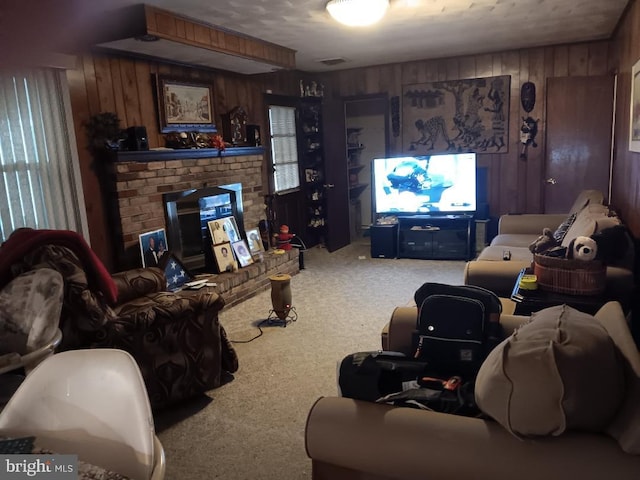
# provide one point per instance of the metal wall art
(469, 115)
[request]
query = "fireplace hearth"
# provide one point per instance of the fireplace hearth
(187, 213)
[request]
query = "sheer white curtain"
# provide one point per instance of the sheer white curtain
(40, 183)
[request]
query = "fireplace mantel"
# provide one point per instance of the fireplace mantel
(184, 154)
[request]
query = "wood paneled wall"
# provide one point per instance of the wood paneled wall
(514, 185)
(123, 85)
(625, 191)
(111, 83)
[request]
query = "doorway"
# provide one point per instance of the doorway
(366, 123)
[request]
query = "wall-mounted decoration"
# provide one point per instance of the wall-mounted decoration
(470, 115)
(234, 126)
(184, 106)
(395, 116)
(634, 121)
(528, 133)
(528, 96)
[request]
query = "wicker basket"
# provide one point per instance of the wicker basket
(573, 277)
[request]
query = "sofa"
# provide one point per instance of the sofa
(352, 439)
(497, 266)
(175, 338)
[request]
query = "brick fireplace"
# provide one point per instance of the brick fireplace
(140, 179)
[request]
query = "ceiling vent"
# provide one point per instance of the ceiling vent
(332, 61)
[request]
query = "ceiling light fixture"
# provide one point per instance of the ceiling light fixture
(357, 13)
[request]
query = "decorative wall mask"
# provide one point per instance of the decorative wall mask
(528, 96)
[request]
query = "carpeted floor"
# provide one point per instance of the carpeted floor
(253, 427)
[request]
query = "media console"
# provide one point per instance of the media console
(435, 237)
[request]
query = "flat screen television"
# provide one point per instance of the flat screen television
(428, 184)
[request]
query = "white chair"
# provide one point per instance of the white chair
(92, 403)
(13, 361)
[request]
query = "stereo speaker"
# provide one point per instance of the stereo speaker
(384, 241)
(137, 139)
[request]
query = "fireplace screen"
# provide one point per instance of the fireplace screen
(187, 215)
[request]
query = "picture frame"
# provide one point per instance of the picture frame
(242, 253)
(634, 110)
(217, 232)
(175, 272)
(184, 105)
(230, 226)
(254, 240)
(153, 246)
(223, 254)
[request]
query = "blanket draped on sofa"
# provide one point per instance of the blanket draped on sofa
(176, 338)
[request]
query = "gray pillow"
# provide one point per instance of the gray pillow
(559, 371)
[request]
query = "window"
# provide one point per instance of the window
(284, 148)
(39, 175)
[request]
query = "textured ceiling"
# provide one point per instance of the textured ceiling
(411, 30)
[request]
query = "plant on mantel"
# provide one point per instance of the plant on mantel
(104, 132)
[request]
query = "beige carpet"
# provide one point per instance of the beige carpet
(253, 427)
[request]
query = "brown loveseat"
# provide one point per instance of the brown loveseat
(175, 338)
(352, 439)
(516, 232)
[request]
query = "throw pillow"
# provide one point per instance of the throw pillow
(30, 307)
(557, 372)
(561, 231)
(625, 427)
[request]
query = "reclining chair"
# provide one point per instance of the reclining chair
(175, 338)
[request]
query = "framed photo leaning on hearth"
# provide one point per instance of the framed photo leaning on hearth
(184, 105)
(255, 241)
(242, 253)
(230, 226)
(224, 257)
(153, 245)
(634, 121)
(218, 234)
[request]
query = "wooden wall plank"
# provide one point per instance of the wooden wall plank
(561, 61)
(467, 67)
(578, 59)
(598, 59)
(130, 93)
(535, 155)
(104, 84)
(509, 193)
(523, 180)
(118, 93)
(484, 65)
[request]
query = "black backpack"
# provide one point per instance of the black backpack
(371, 375)
(458, 325)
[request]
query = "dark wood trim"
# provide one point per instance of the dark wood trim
(187, 153)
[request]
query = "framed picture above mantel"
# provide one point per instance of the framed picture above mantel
(184, 105)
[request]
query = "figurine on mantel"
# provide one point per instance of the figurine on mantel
(313, 89)
(284, 238)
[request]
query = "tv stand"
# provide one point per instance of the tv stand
(435, 237)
